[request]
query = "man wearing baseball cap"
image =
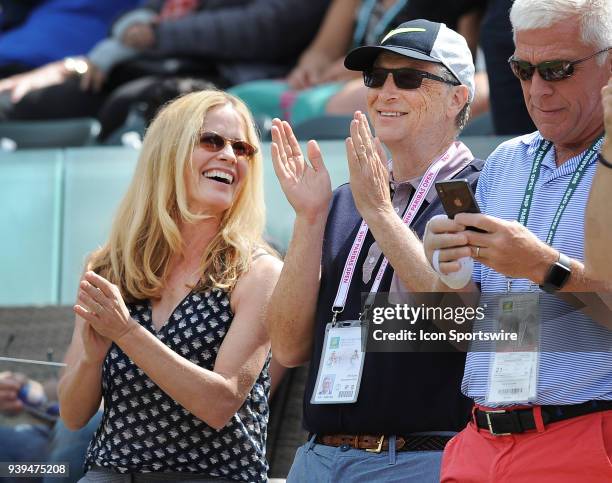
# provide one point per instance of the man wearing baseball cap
(393, 420)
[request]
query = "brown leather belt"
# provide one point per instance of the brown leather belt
(376, 444)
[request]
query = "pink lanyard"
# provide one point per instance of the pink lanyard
(418, 199)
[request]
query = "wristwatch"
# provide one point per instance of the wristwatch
(558, 274)
(75, 65)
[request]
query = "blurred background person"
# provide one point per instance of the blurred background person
(320, 84)
(170, 327)
(33, 433)
(36, 32)
(27, 442)
(224, 42)
(508, 109)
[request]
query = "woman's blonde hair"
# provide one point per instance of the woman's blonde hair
(145, 232)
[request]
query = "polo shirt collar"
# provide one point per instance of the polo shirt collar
(533, 142)
(460, 159)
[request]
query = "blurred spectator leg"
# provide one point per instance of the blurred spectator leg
(275, 99)
(263, 96)
(351, 98)
(24, 443)
(313, 102)
(70, 447)
(61, 101)
(115, 108)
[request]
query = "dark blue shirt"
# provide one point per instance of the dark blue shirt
(401, 392)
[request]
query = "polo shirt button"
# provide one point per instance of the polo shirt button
(345, 447)
(371, 260)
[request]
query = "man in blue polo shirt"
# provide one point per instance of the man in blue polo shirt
(540, 415)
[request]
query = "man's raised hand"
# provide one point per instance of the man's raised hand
(307, 186)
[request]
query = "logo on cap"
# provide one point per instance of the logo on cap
(401, 31)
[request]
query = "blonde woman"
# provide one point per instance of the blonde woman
(170, 328)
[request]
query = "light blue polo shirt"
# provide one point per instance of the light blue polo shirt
(564, 377)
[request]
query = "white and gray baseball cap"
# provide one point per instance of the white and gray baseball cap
(422, 40)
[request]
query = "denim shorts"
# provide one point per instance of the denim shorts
(318, 463)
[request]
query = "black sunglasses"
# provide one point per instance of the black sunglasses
(405, 78)
(550, 70)
(211, 141)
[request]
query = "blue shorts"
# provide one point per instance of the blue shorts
(266, 98)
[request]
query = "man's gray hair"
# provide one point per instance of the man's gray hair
(595, 18)
(464, 114)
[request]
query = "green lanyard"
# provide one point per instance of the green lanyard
(544, 147)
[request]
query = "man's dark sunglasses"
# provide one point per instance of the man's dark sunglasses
(211, 141)
(550, 70)
(405, 78)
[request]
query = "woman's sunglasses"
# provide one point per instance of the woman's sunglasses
(211, 141)
(551, 70)
(405, 78)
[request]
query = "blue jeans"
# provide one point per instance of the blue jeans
(23, 443)
(39, 443)
(70, 447)
(318, 463)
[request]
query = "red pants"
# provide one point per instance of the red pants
(576, 450)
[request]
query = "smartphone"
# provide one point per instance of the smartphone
(457, 197)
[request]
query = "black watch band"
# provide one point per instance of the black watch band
(605, 162)
(558, 275)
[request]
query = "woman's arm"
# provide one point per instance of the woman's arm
(331, 43)
(80, 387)
(334, 36)
(213, 396)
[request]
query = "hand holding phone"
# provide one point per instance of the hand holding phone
(457, 197)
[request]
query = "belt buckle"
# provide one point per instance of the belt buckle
(378, 449)
(488, 416)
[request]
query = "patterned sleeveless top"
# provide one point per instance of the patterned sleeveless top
(144, 430)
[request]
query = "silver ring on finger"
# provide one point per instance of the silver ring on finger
(477, 252)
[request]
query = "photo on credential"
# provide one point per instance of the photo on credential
(327, 385)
